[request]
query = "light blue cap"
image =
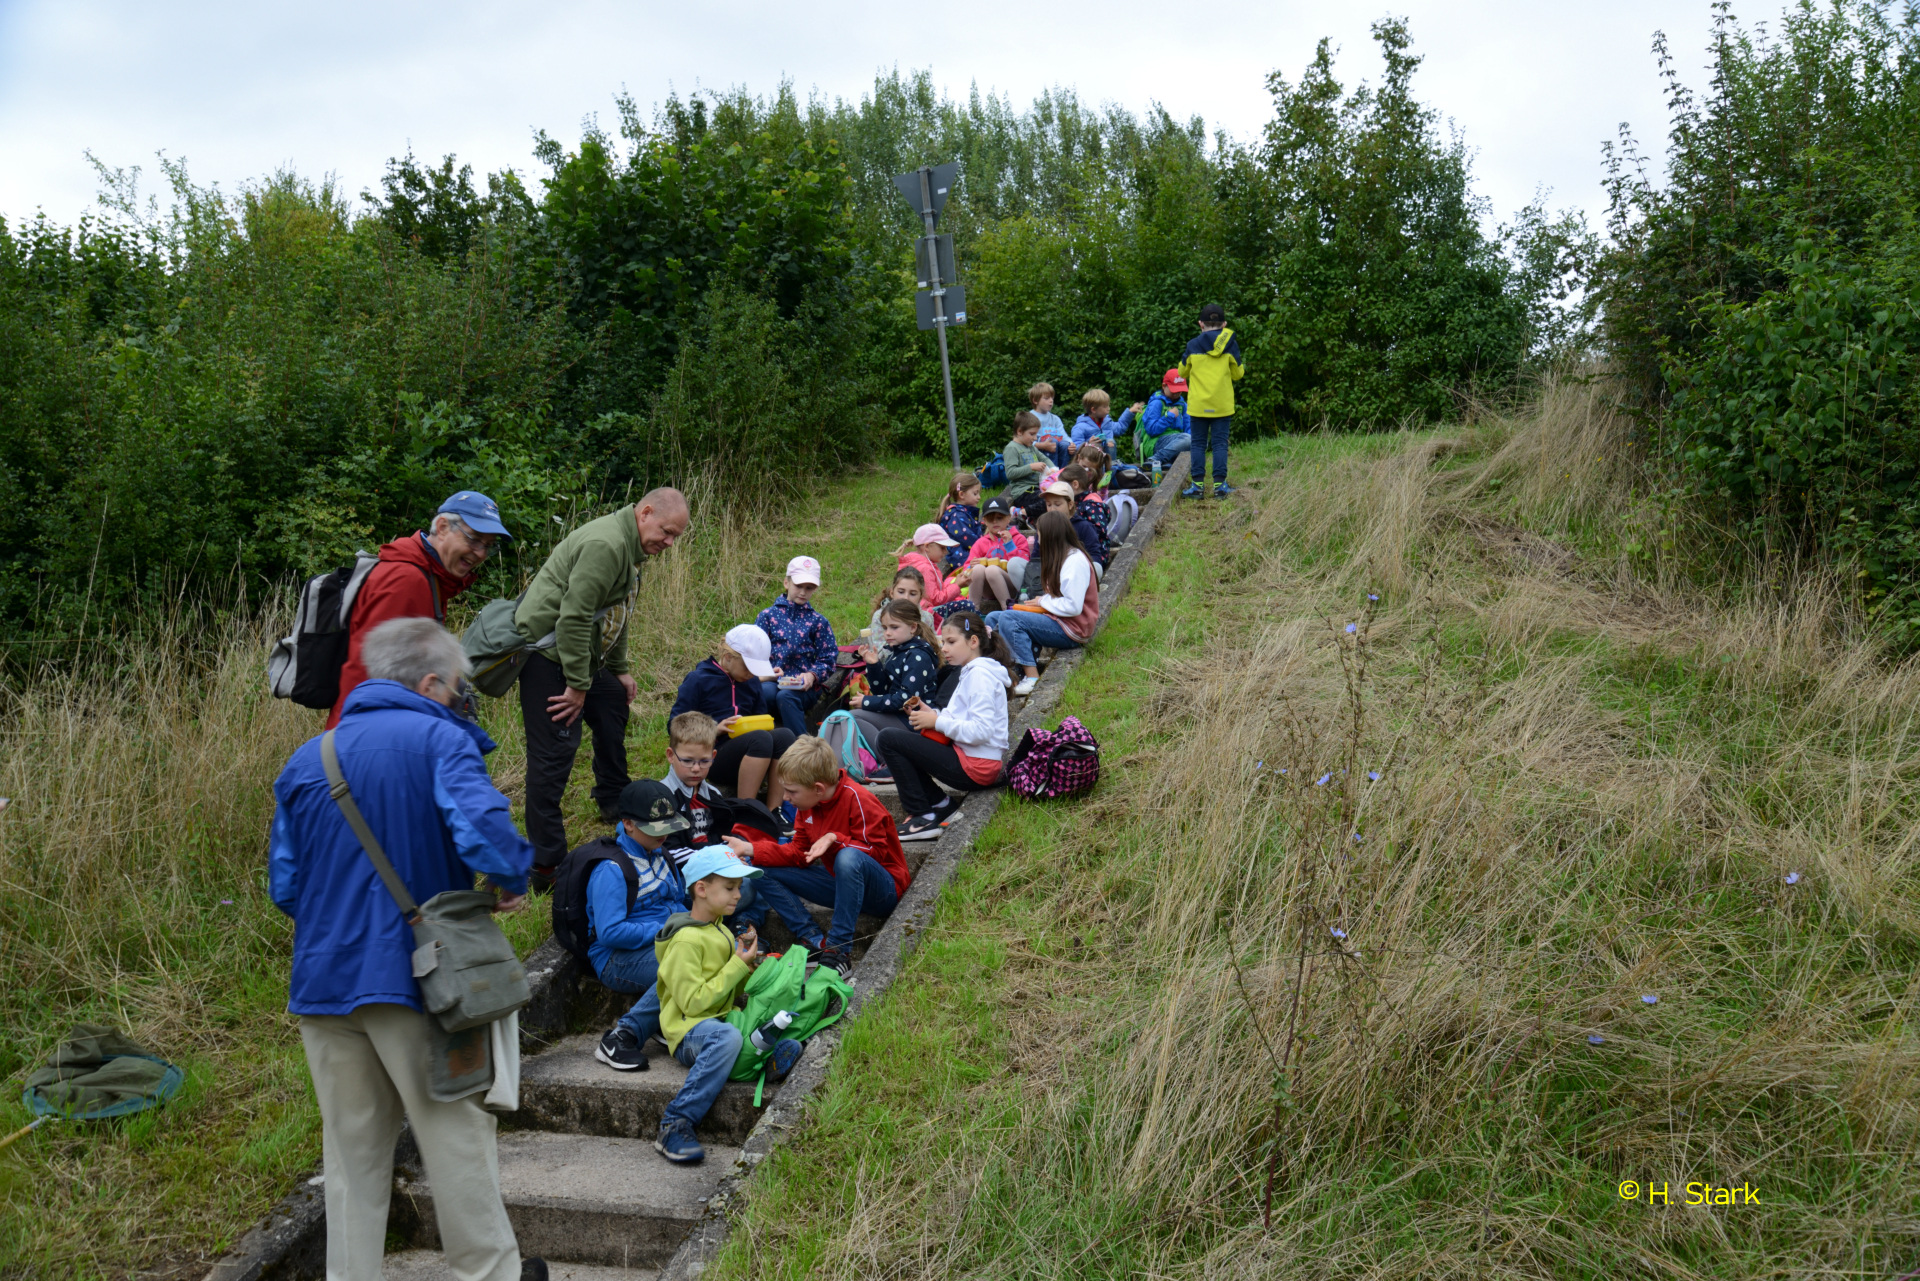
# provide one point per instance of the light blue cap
(716, 860)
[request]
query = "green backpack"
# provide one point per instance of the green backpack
(782, 983)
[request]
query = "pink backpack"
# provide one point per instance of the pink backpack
(1050, 764)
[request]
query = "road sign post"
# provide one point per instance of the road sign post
(944, 302)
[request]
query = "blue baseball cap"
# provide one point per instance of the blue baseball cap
(481, 513)
(715, 860)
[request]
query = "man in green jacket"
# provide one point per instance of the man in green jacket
(582, 598)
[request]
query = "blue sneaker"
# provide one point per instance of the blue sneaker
(1223, 489)
(677, 1144)
(1195, 490)
(786, 1053)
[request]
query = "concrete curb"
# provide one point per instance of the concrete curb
(883, 959)
(291, 1242)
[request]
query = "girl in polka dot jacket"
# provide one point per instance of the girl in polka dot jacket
(909, 667)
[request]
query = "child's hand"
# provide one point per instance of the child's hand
(1139, 405)
(741, 850)
(746, 946)
(869, 653)
(726, 726)
(922, 717)
(821, 846)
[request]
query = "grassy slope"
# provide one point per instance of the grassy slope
(141, 807)
(1132, 1008)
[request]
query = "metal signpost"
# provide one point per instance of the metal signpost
(942, 301)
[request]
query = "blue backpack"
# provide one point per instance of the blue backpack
(994, 474)
(842, 733)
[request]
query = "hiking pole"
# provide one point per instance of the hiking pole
(25, 1130)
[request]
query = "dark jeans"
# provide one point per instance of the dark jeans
(856, 884)
(762, 744)
(551, 748)
(916, 761)
(790, 706)
(636, 972)
(1209, 433)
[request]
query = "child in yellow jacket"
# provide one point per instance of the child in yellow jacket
(1211, 365)
(703, 970)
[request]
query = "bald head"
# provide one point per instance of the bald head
(662, 517)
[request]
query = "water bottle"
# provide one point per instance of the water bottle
(767, 1034)
(1156, 471)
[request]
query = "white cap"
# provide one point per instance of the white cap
(803, 569)
(754, 648)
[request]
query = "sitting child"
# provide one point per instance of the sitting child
(1062, 498)
(908, 584)
(908, 667)
(703, 971)
(691, 750)
(996, 586)
(1091, 511)
(1025, 464)
(960, 516)
(1052, 439)
(1095, 425)
(845, 853)
(972, 730)
(621, 932)
(727, 687)
(804, 651)
(1098, 466)
(924, 552)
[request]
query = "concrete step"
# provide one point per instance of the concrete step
(583, 1198)
(566, 1090)
(428, 1265)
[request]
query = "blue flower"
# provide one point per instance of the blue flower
(1373, 776)
(1596, 1039)
(1352, 628)
(1337, 932)
(1792, 878)
(1649, 999)
(1373, 596)
(1324, 780)
(1358, 837)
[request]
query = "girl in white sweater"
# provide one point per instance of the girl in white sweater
(961, 744)
(1063, 616)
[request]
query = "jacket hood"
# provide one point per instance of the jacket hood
(1088, 420)
(412, 549)
(992, 666)
(916, 641)
(1209, 344)
(384, 695)
(677, 922)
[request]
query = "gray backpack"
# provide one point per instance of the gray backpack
(498, 651)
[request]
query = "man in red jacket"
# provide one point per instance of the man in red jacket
(418, 574)
(845, 853)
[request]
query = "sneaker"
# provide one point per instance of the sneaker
(923, 827)
(540, 879)
(1195, 490)
(1025, 687)
(879, 775)
(1223, 490)
(620, 1050)
(533, 1270)
(786, 1053)
(677, 1144)
(837, 959)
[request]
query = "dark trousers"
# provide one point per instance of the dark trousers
(916, 761)
(790, 706)
(551, 748)
(1209, 433)
(759, 744)
(855, 883)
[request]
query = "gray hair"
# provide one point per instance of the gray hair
(408, 650)
(433, 526)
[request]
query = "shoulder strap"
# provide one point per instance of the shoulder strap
(343, 797)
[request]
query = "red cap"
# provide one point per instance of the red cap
(1173, 381)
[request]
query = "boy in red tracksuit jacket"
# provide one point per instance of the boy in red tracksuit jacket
(845, 853)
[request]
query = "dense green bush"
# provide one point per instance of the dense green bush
(1762, 298)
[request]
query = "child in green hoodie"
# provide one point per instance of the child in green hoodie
(703, 970)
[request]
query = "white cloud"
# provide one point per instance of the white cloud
(238, 90)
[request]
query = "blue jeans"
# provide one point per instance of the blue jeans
(856, 884)
(636, 972)
(789, 708)
(1167, 448)
(1024, 631)
(1209, 433)
(708, 1051)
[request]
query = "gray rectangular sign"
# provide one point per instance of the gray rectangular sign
(956, 306)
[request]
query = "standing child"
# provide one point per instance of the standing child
(1053, 440)
(924, 551)
(845, 854)
(1211, 367)
(962, 744)
(727, 687)
(960, 516)
(908, 667)
(703, 971)
(804, 651)
(1025, 464)
(1002, 542)
(908, 584)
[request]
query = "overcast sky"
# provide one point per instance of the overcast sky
(238, 90)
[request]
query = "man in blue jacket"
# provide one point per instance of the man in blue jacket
(416, 771)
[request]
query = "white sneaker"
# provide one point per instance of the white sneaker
(1025, 687)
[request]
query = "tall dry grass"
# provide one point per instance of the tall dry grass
(1396, 1028)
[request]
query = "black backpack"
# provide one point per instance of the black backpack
(305, 666)
(571, 928)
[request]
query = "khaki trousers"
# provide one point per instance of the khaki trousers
(369, 1071)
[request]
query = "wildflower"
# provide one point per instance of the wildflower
(1352, 628)
(226, 902)
(1649, 999)
(1358, 837)
(1373, 776)
(1324, 780)
(1258, 764)
(1283, 769)
(1596, 1039)
(1337, 932)
(1792, 878)
(1373, 596)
